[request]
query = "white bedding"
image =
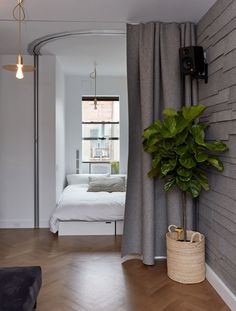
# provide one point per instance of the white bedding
(78, 204)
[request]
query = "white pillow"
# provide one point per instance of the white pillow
(78, 179)
(106, 184)
(121, 175)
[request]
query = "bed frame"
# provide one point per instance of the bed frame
(90, 227)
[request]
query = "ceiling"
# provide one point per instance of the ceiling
(52, 16)
(110, 10)
(77, 55)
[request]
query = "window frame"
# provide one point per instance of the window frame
(100, 98)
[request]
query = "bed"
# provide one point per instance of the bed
(80, 212)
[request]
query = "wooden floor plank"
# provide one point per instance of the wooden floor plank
(86, 274)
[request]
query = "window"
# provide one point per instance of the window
(100, 135)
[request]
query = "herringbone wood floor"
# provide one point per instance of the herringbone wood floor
(86, 274)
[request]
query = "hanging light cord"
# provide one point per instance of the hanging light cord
(95, 82)
(19, 67)
(93, 75)
(19, 15)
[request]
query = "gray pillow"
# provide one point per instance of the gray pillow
(106, 184)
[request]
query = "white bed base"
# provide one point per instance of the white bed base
(90, 227)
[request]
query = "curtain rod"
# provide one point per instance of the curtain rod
(35, 46)
(74, 21)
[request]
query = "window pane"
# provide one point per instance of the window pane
(100, 142)
(107, 111)
(100, 130)
(101, 150)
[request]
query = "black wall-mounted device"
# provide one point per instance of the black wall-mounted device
(193, 62)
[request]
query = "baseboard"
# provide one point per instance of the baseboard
(21, 223)
(219, 286)
(44, 223)
(16, 223)
(224, 292)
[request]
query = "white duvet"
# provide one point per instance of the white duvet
(78, 204)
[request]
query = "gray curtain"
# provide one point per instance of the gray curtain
(154, 82)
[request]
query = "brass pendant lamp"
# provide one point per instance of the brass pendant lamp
(19, 67)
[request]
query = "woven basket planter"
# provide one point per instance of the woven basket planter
(186, 260)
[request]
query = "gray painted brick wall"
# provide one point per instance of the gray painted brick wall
(216, 32)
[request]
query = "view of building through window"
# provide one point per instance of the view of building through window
(101, 135)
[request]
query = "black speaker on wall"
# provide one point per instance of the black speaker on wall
(193, 63)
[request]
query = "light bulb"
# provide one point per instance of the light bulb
(19, 72)
(95, 103)
(19, 65)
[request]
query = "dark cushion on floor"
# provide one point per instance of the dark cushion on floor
(19, 288)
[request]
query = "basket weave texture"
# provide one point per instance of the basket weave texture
(185, 260)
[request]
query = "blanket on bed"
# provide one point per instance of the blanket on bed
(78, 204)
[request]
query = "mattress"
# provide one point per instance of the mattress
(76, 204)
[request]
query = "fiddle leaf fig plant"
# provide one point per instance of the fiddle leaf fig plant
(180, 152)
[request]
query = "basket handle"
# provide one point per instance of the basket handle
(196, 234)
(170, 226)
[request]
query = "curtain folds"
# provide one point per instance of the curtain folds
(154, 83)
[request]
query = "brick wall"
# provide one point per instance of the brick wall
(216, 32)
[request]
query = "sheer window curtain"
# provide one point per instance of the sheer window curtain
(154, 82)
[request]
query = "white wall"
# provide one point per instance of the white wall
(17, 142)
(76, 87)
(16, 147)
(60, 131)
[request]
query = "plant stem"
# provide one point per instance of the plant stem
(184, 215)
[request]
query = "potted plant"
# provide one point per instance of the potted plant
(115, 167)
(181, 156)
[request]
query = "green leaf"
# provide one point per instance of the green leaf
(184, 172)
(199, 173)
(184, 178)
(168, 166)
(202, 179)
(151, 145)
(201, 157)
(154, 172)
(217, 145)
(201, 176)
(170, 184)
(169, 112)
(183, 185)
(194, 188)
(173, 162)
(216, 162)
(198, 134)
(166, 153)
(187, 161)
(152, 140)
(153, 129)
(158, 125)
(156, 160)
(168, 144)
(150, 149)
(169, 127)
(191, 113)
(181, 137)
(182, 123)
(203, 125)
(182, 149)
(190, 141)
(149, 132)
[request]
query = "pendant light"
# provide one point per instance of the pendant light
(19, 67)
(93, 75)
